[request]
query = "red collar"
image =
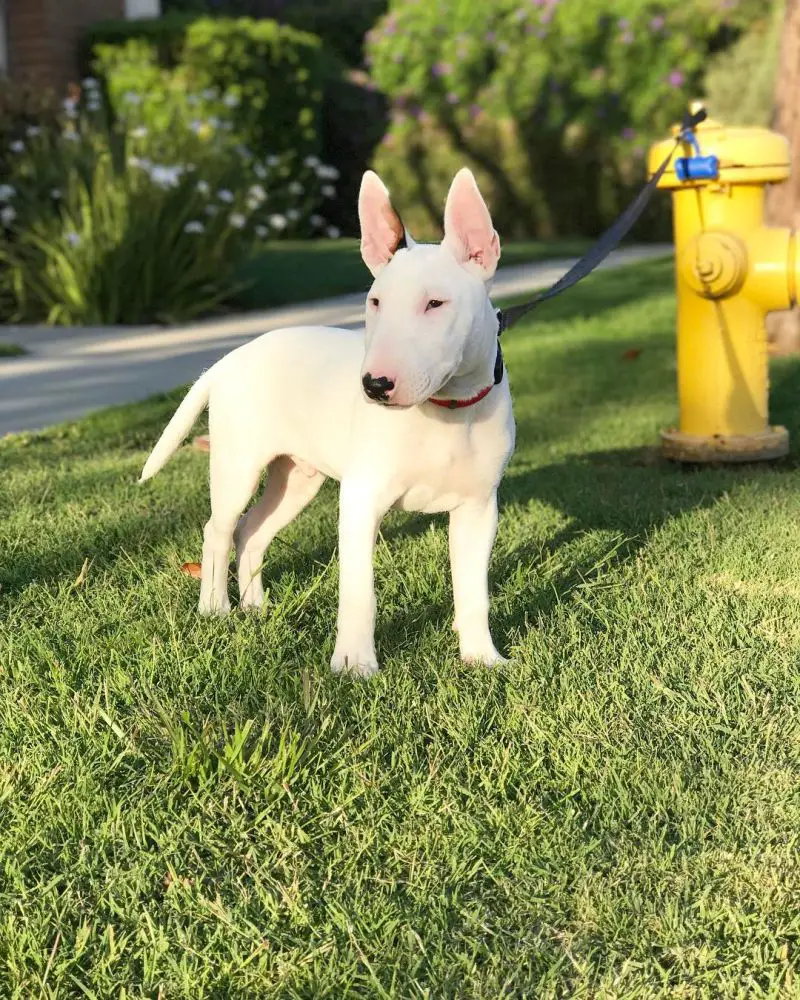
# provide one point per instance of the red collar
(457, 404)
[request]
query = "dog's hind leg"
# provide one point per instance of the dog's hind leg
(234, 474)
(290, 487)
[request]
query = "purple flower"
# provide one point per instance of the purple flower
(490, 37)
(541, 33)
(547, 15)
(452, 98)
(390, 27)
(676, 78)
(623, 24)
(657, 23)
(441, 69)
(475, 111)
(415, 111)
(629, 133)
(627, 38)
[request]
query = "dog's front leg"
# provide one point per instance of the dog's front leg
(473, 526)
(360, 515)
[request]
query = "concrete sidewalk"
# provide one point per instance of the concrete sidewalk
(71, 372)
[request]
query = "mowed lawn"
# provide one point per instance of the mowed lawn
(194, 808)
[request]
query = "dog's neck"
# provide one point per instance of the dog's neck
(477, 367)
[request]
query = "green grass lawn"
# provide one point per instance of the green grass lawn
(301, 271)
(10, 350)
(194, 808)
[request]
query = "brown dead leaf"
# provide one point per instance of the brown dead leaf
(631, 354)
(191, 569)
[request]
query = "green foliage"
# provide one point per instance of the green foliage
(341, 25)
(166, 34)
(740, 82)
(553, 103)
(133, 224)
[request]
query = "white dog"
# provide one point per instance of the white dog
(407, 416)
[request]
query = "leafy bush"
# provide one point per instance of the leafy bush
(740, 82)
(341, 25)
(120, 224)
(552, 102)
(165, 34)
(330, 112)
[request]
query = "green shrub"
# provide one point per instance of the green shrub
(341, 25)
(740, 82)
(166, 34)
(124, 224)
(553, 104)
(279, 89)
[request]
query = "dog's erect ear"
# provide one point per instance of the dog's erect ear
(381, 229)
(468, 231)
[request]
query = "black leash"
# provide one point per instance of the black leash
(609, 241)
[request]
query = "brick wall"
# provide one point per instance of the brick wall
(42, 37)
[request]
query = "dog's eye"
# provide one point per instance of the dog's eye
(433, 304)
(374, 302)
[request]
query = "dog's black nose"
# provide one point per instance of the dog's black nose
(377, 388)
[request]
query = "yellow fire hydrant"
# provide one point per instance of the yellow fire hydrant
(730, 271)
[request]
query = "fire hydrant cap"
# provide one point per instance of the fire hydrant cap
(747, 155)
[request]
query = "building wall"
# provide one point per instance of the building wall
(42, 35)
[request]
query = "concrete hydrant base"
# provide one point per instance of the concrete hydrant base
(773, 443)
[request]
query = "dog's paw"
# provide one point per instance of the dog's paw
(487, 657)
(213, 608)
(357, 664)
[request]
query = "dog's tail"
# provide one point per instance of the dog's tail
(176, 430)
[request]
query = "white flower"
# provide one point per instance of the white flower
(260, 172)
(332, 232)
(237, 220)
(70, 135)
(225, 195)
(70, 106)
(203, 187)
(317, 220)
(196, 125)
(7, 192)
(7, 215)
(292, 215)
(139, 162)
(90, 83)
(212, 209)
(296, 188)
(93, 105)
(166, 177)
(257, 193)
(132, 98)
(277, 221)
(72, 238)
(262, 232)
(194, 227)
(32, 131)
(231, 100)
(139, 133)
(328, 173)
(192, 100)
(311, 161)
(210, 94)
(244, 152)
(55, 193)
(328, 191)
(17, 146)
(272, 161)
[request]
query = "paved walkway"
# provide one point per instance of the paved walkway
(71, 372)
